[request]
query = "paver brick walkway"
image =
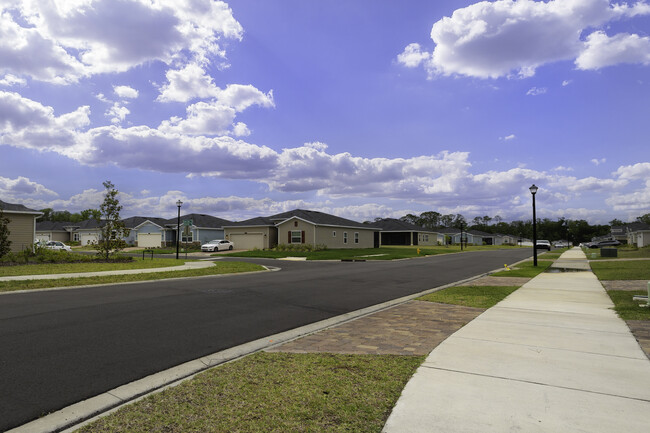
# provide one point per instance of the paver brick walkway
(412, 328)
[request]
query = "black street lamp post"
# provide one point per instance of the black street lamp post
(461, 236)
(178, 226)
(533, 190)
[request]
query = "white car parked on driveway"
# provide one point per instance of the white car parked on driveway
(217, 245)
(58, 246)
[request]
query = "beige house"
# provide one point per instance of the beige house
(302, 227)
(259, 233)
(22, 225)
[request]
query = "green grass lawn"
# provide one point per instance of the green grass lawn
(623, 253)
(622, 270)
(525, 269)
(470, 296)
(383, 253)
(220, 269)
(627, 308)
(274, 392)
(63, 268)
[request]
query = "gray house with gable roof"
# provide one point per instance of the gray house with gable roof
(22, 225)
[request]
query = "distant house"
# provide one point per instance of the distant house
(88, 232)
(471, 237)
(303, 227)
(398, 232)
(200, 229)
(55, 231)
(22, 225)
(619, 233)
(638, 234)
(147, 232)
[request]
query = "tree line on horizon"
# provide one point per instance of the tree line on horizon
(561, 229)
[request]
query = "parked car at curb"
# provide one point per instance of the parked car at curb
(57, 246)
(608, 243)
(543, 245)
(217, 245)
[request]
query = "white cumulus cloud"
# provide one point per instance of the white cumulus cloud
(515, 37)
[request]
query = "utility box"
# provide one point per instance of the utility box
(608, 252)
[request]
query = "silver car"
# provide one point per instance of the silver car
(217, 245)
(58, 246)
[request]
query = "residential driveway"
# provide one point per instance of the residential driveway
(60, 347)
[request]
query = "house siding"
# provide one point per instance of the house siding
(21, 229)
(324, 237)
(270, 234)
(294, 224)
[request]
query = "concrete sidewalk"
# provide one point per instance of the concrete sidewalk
(185, 267)
(551, 357)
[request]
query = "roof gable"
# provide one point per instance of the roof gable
(318, 218)
(17, 208)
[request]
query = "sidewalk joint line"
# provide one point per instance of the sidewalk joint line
(537, 383)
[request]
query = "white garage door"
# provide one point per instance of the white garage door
(149, 240)
(87, 239)
(247, 241)
(41, 237)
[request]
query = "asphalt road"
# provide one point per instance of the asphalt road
(61, 347)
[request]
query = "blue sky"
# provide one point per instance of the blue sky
(363, 109)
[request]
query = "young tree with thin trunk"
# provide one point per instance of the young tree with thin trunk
(112, 229)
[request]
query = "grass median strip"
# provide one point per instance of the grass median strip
(525, 269)
(64, 268)
(275, 392)
(219, 269)
(471, 296)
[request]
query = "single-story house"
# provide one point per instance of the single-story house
(398, 232)
(145, 232)
(619, 233)
(54, 231)
(199, 229)
(501, 239)
(88, 232)
(452, 235)
(22, 225)
(301, 226)
(258, 232)
(638, 234)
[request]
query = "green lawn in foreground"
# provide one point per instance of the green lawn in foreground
(626, 308)
(383, 253)
(470, 296)
(525, 269)
(274, 392)
(63, 268)
(220, 269)
(622, 270)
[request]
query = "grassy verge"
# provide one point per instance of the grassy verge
(65, 268)
(383, 253)
(525, 269)
(623, 253)
(219, 269)
(622, 270)
(275, 392)
(471, 296)
(627, 308)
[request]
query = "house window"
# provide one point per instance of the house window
(187, 237)
(75, 237)
(356, 237)
(296, 237)
(334, 234)
(345, 237)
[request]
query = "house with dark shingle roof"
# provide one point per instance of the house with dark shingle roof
(300, 226)
(22, 225)
(638, 234)
(55, 231)
(200, 229)
(398, 232)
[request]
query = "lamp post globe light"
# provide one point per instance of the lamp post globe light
(178, 226)
(533, 190)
